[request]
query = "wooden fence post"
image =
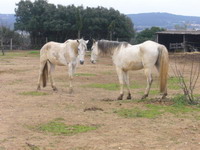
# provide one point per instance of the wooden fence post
(11, 44)
(2, 49)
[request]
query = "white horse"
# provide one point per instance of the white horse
(62, 54)
(135, 57)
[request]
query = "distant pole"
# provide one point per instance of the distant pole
(11, 44)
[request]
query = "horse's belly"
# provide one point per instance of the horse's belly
(133, 66)
(58, 62)
(57, 59)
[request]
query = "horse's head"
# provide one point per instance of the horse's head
(82, 48)
(94, 52)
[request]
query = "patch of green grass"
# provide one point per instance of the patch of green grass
(57, 127)
(108, 86)
(34, 52)
(85, 74)
(154, 92)
(153, 111)
(10, 54)
(136, 86)
(34, 93)
(173, 83)
(139, 113)
(179, 100)
(13, 54)
(111, 86)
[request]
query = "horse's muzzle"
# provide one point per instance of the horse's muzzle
(81, 62)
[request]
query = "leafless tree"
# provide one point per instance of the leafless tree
(179, 69)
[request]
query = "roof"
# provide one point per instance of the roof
(180, 32)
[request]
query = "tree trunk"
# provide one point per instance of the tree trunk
(79, 34)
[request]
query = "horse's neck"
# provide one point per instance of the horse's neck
(115, 51)
(74, 48)
(71, 48)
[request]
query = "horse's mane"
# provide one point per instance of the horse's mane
(106, 46)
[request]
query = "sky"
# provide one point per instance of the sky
(178, 7)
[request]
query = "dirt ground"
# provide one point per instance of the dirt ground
(19, 74)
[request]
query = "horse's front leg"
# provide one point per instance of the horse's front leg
(121, 82)
(71, 74)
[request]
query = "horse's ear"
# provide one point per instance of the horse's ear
(77, 41)
(87, 41)
(93, 40)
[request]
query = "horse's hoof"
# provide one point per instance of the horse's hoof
(120, 97)
(55, 89)
(129, 96)
(144, 96)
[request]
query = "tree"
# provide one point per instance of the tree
(79, 21)
(147, 34)
(59, 23)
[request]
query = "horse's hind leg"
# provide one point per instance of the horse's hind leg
(52, 68)
(126, 79)
(121, 81)
(149, 82)
(42, 64)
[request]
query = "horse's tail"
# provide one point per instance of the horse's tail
(162, 65)
(45, 74)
